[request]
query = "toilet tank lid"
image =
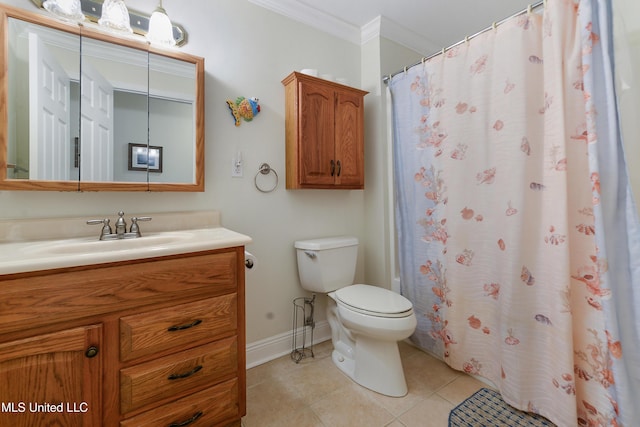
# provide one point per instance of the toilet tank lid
(326, 243)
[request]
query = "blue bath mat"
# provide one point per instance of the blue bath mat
(487, 409)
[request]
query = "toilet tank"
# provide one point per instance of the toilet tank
(327, 264)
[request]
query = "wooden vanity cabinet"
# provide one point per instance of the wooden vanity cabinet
(60, 371)
(324, 124)
(153, 342)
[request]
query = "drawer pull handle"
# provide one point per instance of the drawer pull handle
(187, 422)
(183, 327)
(185, 375)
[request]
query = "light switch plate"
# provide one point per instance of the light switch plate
(237, 166)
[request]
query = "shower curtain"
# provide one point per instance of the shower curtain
(518, 236)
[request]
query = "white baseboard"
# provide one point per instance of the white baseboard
(267, 349)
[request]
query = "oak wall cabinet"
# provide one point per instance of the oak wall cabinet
(324, 124)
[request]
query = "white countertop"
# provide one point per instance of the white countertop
(199, 232)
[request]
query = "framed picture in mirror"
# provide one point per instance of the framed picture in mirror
(145, 158)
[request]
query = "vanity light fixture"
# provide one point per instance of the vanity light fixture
(91, 10)
(69, 9)
(160, 28)
(115, 16)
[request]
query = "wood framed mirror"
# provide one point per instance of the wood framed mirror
(73, 98)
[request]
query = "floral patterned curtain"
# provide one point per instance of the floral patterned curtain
(515, 222)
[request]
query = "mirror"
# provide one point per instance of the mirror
(86, 111)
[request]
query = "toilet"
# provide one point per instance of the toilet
(366, 321)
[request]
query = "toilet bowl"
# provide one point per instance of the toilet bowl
(366, 321)
(366, 348)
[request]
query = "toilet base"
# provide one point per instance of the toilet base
(376, 365)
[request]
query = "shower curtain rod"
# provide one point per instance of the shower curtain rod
(530, 8)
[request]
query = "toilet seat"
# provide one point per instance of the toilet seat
(373, 301)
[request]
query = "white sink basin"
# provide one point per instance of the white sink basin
(93, 245)
(16, 257)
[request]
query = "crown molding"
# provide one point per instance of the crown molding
(312, 17)
(378, 27)
(382, 26)
(371, 30)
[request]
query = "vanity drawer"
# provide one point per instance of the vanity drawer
(178, 373)
(44, 299)
(148, 333)
(206, 408)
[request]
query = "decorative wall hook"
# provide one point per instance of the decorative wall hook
(243, 108)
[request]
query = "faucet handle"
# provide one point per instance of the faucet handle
(106, 228)
(134, 224)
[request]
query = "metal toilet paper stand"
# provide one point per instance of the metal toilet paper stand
(302, 319)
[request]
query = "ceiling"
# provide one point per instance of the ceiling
(426, 26)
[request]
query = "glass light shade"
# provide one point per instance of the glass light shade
(70, 9)
(115, 15)
(160, 28)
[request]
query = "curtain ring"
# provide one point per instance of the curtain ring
(265, 169)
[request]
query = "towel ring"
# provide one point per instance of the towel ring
(265, 169)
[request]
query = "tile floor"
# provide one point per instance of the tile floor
(314, 393)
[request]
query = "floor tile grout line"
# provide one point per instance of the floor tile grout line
(271, 373)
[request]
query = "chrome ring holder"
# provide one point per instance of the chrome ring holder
(265, 169)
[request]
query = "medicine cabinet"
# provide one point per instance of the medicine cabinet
(85, 110)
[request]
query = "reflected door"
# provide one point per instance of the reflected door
(49, 138)
(96, 125)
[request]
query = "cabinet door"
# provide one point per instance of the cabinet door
(317, 150)
(52, 379)
(349, 140)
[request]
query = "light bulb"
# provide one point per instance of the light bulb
(70, 9)
(160, 28)
(115, 15)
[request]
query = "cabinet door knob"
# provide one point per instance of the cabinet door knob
(91, 352)
(333, 167)
(339, 167)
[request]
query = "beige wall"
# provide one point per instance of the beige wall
(248, 51)
(380, 57)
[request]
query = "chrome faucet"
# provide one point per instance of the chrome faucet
(121, 227)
